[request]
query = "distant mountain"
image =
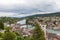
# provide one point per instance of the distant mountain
(44, 15)
(50, 14)
(38, 15)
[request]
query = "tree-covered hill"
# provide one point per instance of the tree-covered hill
(44, 15)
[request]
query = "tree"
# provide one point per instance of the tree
(9, 36)
(27, 22)
(19, 36)
(38, 33)
(1, 36)
(27, 38)
(8, 28)
(1, 25)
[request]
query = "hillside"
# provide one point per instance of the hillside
(44, 15)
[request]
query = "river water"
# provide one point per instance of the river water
(53, 31)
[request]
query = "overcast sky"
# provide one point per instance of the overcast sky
(13, 7)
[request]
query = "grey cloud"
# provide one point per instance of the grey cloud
(31, 7)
